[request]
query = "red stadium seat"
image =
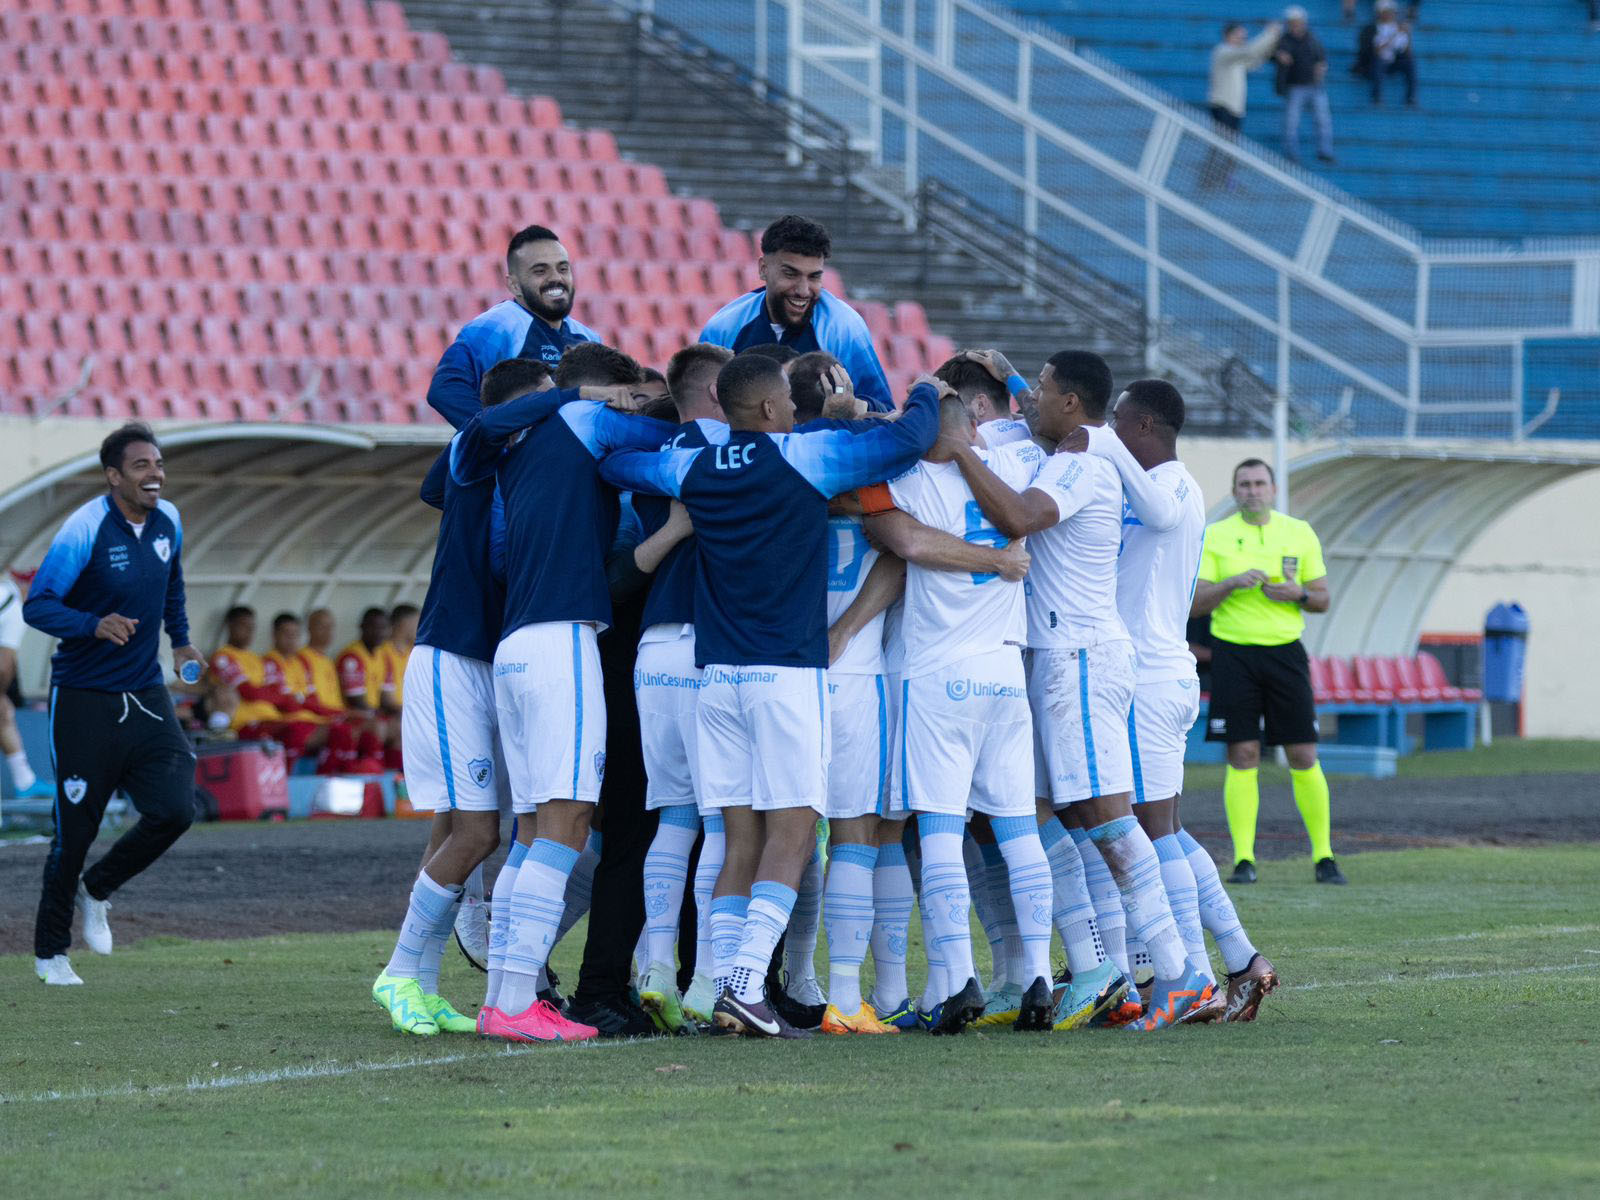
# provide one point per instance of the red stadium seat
(1342, 682)
(1434, 678)
(1370, 681)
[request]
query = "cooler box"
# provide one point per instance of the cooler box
(245, 781)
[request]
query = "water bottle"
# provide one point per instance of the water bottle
(189, 672)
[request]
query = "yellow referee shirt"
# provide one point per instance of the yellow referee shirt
(1286, 549)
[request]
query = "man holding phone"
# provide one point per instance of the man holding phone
(1261, 571)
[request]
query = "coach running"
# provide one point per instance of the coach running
(110, 579)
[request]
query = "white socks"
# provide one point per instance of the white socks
(1216, 908)
(580, 886)
(891, 927)
(500, 921)
(666, 871)
(428, 919)
(771, 904)
(847, 909)
(1108, 911)
(537, 902)
(946, 900)
(1032, 895)
(21, 772)
(726, 920)
(712, 849)
(1073, 912)
(800, 946)
(1177, 876)
(1132, 860)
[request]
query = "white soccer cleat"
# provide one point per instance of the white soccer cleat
(701, 998)
(472, 931)
(96, 932)
(56, 971)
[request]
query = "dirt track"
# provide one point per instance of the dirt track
(245, 880)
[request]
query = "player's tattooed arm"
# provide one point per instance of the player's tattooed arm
(883, 586)
(998, 366)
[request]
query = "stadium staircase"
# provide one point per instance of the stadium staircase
(669, 101)
(283, 210)
(1503, 144)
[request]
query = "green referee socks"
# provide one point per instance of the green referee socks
(1311, 798)
(1241, 797)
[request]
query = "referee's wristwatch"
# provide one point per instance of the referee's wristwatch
(1305, 594)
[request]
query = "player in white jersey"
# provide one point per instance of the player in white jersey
(1080, 681)
(965, 727)
(1162, 532)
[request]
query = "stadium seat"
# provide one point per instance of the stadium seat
(1433, 677)
(1369, 682)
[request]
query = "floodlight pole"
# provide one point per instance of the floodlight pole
(1280, 447)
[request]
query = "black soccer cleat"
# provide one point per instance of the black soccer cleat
(1038, 1003)
(796, 1013)
(753, 1019)
(615, 1017)
(1328, 872)
(961, 1010)
(1244, 871)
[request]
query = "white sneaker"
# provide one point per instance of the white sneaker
(472, 931)
(701, 997)
(96, 933)
(57, 971)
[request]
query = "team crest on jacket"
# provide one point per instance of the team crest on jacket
(163, 547)
(75, 788)
(482, 771)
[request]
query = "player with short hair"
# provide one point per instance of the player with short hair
(1163, 529)
(666, 684)
(965, 728)
(535, 323)
(560, 521)
(793, 309)
(364, 667)
(759, 505)
(1080, 681)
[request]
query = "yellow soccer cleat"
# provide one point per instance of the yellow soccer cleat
(863, 1020)
(446, 1017)
(402, 999)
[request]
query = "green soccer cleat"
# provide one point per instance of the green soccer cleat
(658, 996)
(402, 999)
(446, 1017)
(701, 998)
(1004, 1002)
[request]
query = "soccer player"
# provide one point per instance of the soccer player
(965, 730)
(318, 663)
(111, 578)
(793, 309)
(403, 620)
(535, 323)
(667, 685)
(1163, 528)
(560, 521)
(759, 505)
(451, 728)
(1080, 680)
(1261, 572)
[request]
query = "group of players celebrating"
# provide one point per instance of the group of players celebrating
(956, 631)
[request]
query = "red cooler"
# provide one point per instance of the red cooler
(244, 781)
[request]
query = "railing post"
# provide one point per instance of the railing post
(1152, 280)
(1280, 396)
(636, 52)
(759, 59)
(795, 80)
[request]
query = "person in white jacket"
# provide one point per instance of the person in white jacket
(1232, 60)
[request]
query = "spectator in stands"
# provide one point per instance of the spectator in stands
(1232, 60)
(794, 309)
(1302, 75)
(26, 785)
(534, 323)
(1385, 49)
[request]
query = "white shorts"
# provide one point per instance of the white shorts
(1158, 736)
(965, 732)
(12, 625)
(666, 684)
(858, 767)
(448, 729)
(763, 737)
(1081, 700)
(552, 708)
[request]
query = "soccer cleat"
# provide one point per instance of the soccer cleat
(658, 996)
(753, 1018)
(796, 1012)
(1327, 871)
(807, 991)
(37, 790)
(1244, 871)
(1004, 1001)
(701, 997)
(96, 932)
(487, 1015)
(1212, 1009)
(902, 1016)
(56, 971)
(615, 1017)
(550, 993)
(446, 1017)
(1034, 1012)
(1248, 988)
(1090, 996)
(540, 1023)
(863, 1020)
(927, 1018)
(472, 931)
(1174, 1001)
(402, 999)
(959, 1011)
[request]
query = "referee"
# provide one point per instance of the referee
(1260, 572)
(110, 579)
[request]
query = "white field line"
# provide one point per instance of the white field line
(1509, 933)
(324, 1070)
(1443, 976)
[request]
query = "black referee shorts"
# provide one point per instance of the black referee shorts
(1261, 693)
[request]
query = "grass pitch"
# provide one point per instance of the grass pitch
(1435, 1036)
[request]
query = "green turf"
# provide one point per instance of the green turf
(1513, 756)
(1435, 1037)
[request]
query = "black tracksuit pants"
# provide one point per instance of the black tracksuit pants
(102, 742)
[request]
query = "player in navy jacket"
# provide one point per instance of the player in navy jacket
(759, 504)
(111, 578)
